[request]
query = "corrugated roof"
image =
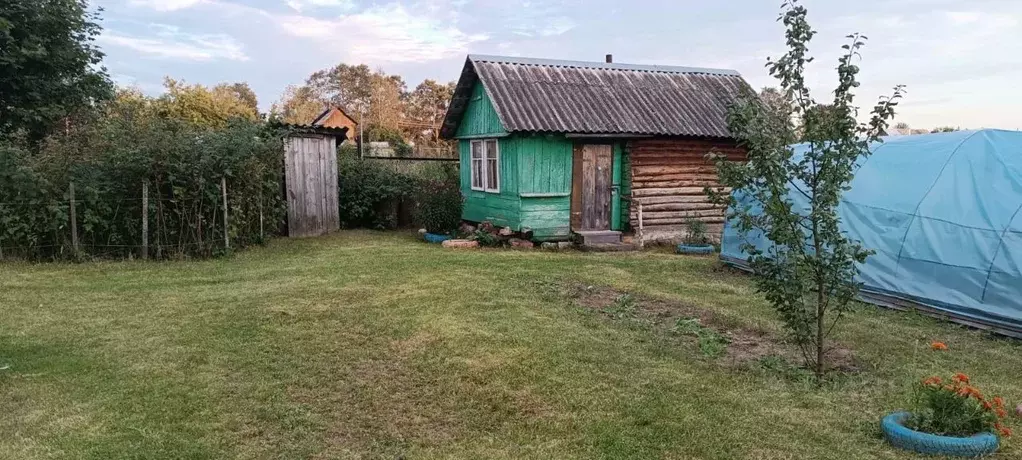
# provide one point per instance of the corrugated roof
(543, 95)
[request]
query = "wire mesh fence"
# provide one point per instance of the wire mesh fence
(156, 223)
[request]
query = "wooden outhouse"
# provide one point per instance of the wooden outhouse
(310, 179)
(558, 148)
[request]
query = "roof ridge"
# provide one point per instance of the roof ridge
(600, 65)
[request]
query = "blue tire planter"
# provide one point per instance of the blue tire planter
(696, 249)
(924, 443)
(436, 239)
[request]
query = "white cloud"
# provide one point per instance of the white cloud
(963, 17)
(299, 5)
(169, 42)
(556, 26)
(165, 5)
(383, 33)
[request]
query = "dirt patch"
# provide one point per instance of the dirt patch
(717, 337)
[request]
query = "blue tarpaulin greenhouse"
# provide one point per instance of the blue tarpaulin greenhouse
(942, 212)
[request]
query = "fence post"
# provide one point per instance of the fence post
(642, 236)
(74, 219)
(262, 237)
(145, 220)
(223, 187)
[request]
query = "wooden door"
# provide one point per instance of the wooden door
(592, 187)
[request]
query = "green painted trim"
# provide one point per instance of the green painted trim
(544, 195)
(483, 136)
(615, 199)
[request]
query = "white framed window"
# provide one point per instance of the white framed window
(485, 158)
(478, 165)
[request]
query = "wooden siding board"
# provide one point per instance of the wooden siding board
(480, 118)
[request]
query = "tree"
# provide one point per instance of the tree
(346, 85)
(808, 271)
(945, 129)
(243, 92)
(300, 105)
(902, 125)
(427, 106)
(48, 64)
(775, 101)
(203, 106)
(360, 90)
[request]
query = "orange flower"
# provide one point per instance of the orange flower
(999, 401)
(1006, 432)
(960, 378)
(938, 346)
(987, 405)
(935, 381)
(1001, 413)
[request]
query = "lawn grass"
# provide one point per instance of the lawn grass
(372, 345)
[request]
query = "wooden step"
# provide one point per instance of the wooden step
(588, 238)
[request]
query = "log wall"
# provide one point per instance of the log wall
(669, 177)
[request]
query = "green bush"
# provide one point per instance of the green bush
(695, 232)
(438, 200)
(370, 193)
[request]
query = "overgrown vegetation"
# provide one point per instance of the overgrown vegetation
(50, 70)
(370, 193)
(438, 208)
(131, 143)
(383, 195)
(695, 232)
(808, 272)
(61, 124)
(711, 342)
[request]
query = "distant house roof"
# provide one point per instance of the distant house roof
(542, 95)
(324, 118)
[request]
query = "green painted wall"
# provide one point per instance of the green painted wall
(502, 208)
(535, 177)
(544, 172)
(480, 118)
(535, 186)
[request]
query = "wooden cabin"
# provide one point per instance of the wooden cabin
(336, 118)
(556, 148)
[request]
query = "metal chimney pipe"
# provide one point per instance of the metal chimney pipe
(610, 59)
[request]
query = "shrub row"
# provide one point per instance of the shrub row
(109, 160)
(183, 165)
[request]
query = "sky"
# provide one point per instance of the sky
(961, 60)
